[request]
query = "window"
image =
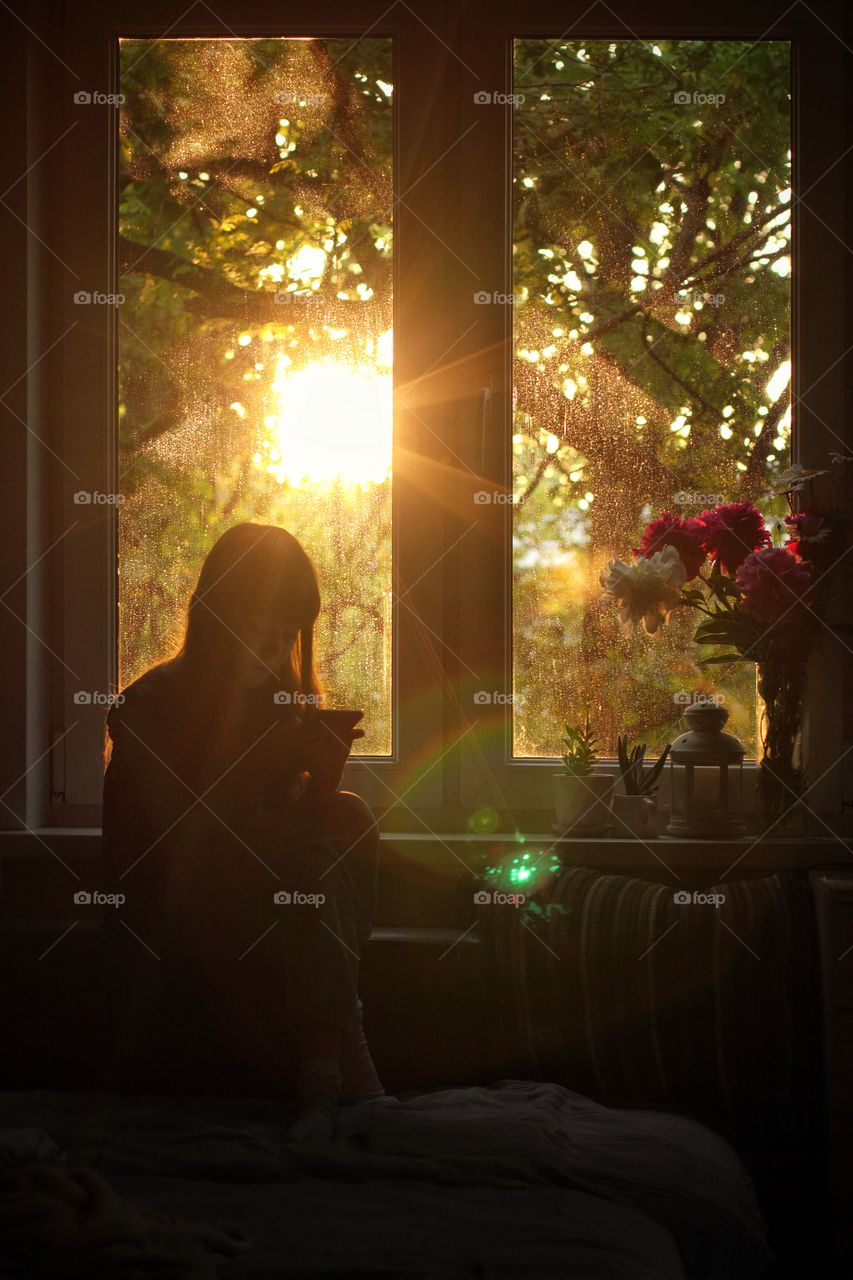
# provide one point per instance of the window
(255, 338)
(651, 287)
(503, 192)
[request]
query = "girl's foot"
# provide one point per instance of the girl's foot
(315, 1121)
(319, 1085)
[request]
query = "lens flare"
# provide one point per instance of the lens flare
(332, 425)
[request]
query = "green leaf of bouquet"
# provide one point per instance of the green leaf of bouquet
(720, 659)
(717, 627)
(722, 583)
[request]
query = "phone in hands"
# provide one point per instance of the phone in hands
(340, 723)
(337, 730)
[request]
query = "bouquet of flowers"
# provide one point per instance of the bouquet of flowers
(760, 603)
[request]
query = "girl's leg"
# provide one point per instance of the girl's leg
(319, 1083)
(352, 827)
(325, 947)
(347, 821)
(319, 1046)
(359, 1078)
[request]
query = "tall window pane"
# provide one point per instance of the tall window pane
(255, 334)
(651, 352)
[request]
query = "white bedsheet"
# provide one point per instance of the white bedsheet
(457, 1169)
(417, 1231)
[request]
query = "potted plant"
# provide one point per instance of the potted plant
(634, 808)
(581, 797)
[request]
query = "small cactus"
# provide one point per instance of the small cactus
(637, 780)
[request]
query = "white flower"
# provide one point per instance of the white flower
(648, 590)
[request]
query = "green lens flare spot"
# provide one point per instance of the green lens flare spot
(483, 821)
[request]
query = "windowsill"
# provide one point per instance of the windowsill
(661, 858)
(533, 837)
(86, 835)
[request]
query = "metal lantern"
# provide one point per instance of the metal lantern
(706, 773)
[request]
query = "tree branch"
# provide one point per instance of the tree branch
(218, 298)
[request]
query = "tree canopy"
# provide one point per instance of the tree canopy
(651, 289)
(651, 252)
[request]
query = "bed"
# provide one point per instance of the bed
(515, 1180)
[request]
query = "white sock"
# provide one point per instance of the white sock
(315, 1121)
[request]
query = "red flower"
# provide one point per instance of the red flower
(732, 531)
(674, 531)
(816, 535)
(774, 583)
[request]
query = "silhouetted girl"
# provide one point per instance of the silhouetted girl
(224, 825)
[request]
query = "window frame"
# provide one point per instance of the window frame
(521, 787)
(417, 517)
(452, 379)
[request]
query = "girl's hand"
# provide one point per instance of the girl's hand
(284, 745)
(299, 786)
(270, 765)
(326, 752)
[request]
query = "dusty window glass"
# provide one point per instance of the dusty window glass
(255, 353)
(651, 287)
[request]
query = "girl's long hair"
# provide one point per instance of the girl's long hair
(251, 569)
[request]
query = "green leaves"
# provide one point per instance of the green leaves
(639, 781)
(723, 659)
(729, 626)
(723, 587)
(581, 749)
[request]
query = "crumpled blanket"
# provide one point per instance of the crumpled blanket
(70, 1223)
(27, 1146)
(514, 1134)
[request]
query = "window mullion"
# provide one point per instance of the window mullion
(483, 441)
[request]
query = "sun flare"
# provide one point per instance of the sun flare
(332, 425)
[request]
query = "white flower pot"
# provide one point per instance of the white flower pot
(582, 805)
(634, 816)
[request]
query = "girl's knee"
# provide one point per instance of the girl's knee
(349, 814)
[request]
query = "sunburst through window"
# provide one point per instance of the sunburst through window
(255, 341)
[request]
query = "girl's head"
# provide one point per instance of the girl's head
(251, 617)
